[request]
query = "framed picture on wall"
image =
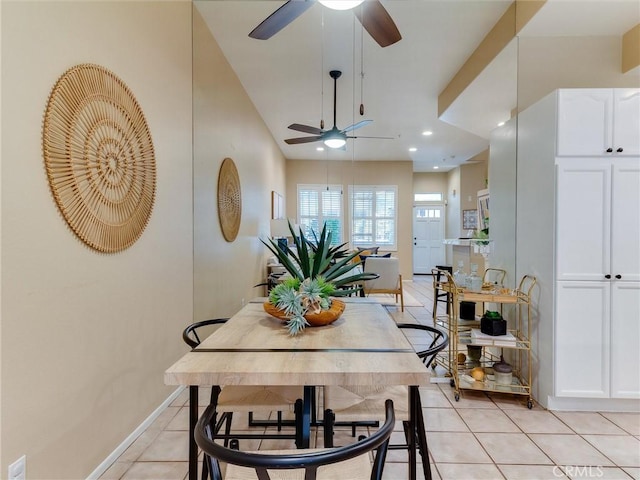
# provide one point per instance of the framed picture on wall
(469, 219)
(277, 205)
(483, 209)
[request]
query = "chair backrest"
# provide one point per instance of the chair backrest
(441, 277)
(310, 461)
(526, 284)
(494, 276)
(439, 339)
(388, 271)
(190, 334)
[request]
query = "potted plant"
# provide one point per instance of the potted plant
(493, 324)
(319, 273)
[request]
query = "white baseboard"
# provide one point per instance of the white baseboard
(593, 404)
(126, 443)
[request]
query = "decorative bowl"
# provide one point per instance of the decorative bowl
(325, 317)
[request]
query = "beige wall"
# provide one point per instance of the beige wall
(92, 334)
(473, 178)
(360, 173)
(226, 124)
(548, 63)
(86, 336)
(425, 182)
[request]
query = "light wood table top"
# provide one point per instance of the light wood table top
(363, 347)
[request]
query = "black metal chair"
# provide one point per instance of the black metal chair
(438, 295)
(353, 405)
(248, 399)
(349, 462)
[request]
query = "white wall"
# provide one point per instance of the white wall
(86, 336)
(502, 188)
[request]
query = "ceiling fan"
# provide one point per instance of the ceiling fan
(372, 15)
(333, 138)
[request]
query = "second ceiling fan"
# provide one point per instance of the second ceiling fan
(333, 138)
(372, 15)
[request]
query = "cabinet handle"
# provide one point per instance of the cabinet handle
(618, 276)
(609, 150)
(619, 150)
(607, 276)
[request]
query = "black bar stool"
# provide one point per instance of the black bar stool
(438, 295)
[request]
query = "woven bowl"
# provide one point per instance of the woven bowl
(325, 317)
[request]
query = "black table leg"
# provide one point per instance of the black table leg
(307, 402)
(422, 438)
(411, 440)
(193, 419)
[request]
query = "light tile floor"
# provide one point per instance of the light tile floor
(479, 437)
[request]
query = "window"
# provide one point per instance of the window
(317, 205)
(427, 197)
(373, 216)
(427, 212)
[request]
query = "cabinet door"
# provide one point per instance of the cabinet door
(582, 339)
(625, 220)
(625, 339)
(626, 121)
(585, 121)
(582, 219)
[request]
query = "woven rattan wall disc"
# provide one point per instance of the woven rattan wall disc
(99, 158)
(229, 200)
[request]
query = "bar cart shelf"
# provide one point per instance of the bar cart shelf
(516, 344)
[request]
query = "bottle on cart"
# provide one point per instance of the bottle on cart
(459, 277)
(474, 282)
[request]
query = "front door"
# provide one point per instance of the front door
(428, 235)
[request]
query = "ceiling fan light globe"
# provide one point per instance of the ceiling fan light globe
(341, 4)
(335, 142)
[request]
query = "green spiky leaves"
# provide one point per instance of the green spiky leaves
(311, 259)
(296, 298)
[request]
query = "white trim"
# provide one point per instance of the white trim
(593, 404)
(126, 443)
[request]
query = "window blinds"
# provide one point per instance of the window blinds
(317, 205)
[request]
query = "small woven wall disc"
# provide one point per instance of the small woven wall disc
(99, 158)
(229, 200)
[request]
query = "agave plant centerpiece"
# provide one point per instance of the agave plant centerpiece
(319, 273)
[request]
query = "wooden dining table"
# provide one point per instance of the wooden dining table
(363, 347)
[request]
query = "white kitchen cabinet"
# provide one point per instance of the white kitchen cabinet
(578, 232)
(596, 341)
(598, 121)
(582, 339)
(598, 219)
(597, 254)
(625, 334)
(625, 220)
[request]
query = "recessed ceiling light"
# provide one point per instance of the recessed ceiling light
(413, 149)
(426, 133)
(320, 149)
(501, 124)
(436, 167)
